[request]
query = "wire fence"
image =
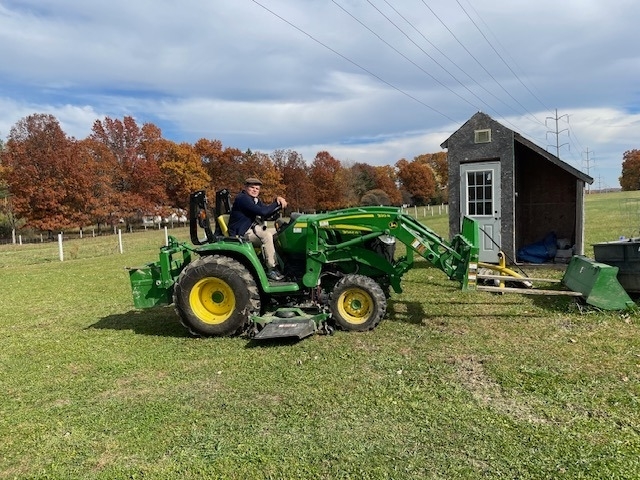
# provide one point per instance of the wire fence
(20, 237)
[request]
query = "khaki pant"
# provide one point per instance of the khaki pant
(264, 237)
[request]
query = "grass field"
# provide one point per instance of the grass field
(450, 385)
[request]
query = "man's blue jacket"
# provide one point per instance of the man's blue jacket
(245, 210)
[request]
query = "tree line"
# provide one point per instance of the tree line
(122, 171)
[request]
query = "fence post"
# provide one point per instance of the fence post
(166, 237)
(60, 247)
(120, 240)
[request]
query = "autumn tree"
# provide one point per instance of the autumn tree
(183, 172)
(299, 190)
(325, 175)
(221, 164)
(630, 179)
(49, 175)
(386, 180)
(132, 152)
(361, 178)
(440, 166)
(8, 219)
(418, 179)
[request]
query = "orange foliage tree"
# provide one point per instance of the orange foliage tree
(299, 190)
(328, 182)
(125, 171)
(630, 179)
(386, 180)
(418, 179)
(132, 153)
(48, 174)
(221, 164)
(440, 166)
(183, 172)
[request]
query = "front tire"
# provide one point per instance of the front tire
(357, 303)
(215, 295)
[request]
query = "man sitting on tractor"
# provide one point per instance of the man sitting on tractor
(247, 217)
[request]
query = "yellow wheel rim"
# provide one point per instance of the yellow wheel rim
(212, 300)
(355, 306)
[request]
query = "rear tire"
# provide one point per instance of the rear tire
(215, 296)
(357, 303)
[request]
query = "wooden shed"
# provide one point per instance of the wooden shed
(519, 192)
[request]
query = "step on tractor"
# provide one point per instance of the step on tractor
(339, 267)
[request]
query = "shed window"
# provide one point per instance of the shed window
(480, 193)
(482, 136)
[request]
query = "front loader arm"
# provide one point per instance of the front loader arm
(458, 259)
(340, 237)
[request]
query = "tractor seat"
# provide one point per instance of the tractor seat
(223, 221)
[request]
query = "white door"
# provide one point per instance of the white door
(480, 200)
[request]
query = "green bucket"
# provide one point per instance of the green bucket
(598, 284)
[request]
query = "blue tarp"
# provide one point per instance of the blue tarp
(539, 252)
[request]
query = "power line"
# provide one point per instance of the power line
(502, 59)
(476, 60)
(407, 58)
(441, 53)
(433, 59)
(507, 53)
(572, 136)
(407, 94)
(355, 64)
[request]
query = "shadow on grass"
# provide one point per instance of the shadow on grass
(163, 322)
(407, 312)
(421, 313)
(160, 321)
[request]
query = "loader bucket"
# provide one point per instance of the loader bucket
(598, 284)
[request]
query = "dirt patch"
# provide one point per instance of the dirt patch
(488, 393)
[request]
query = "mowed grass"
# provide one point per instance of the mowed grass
(450, 385)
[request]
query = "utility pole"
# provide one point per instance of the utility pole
(587, 162)
(557, 132)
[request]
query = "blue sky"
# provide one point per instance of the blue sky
(368, 80)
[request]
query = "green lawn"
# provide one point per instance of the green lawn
(450, 385)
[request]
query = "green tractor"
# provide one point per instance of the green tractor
(339, 269)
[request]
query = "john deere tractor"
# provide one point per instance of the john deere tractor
(339, 269)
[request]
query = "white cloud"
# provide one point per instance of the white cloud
(311, 77)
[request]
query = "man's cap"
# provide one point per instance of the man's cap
(252, 181)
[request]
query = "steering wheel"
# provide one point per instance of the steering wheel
(275, 215)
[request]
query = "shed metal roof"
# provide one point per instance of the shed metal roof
(532, 146)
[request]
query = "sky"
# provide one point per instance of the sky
(369, 81)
